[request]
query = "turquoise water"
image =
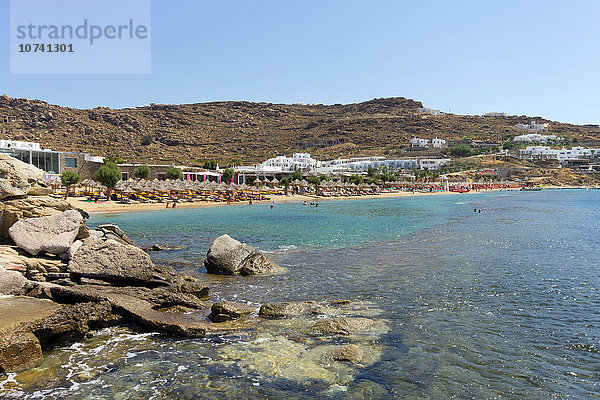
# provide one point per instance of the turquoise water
(500, 304)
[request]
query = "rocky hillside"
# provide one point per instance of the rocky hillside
(191, 133)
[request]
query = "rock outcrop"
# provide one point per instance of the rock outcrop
(14, 210)
(20, 179)
(111, 231)
(228, 256)
(115, 262)
(53, 234)
(11, 282)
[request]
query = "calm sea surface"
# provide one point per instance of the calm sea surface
(502, 304)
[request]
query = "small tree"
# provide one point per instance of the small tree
(228, 174)
(108, 175)
(174, 173)
(235, 162)
(211, 164)
(113, 157)
(147, 140)
(357, 179)
(69, 178)
(297, 175)
(142, 171)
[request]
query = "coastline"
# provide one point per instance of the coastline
(115, 207)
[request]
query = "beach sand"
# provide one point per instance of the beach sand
(112, 206)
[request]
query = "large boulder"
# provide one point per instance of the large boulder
(228, 256)
(116, 262)
(30, 207)
(20, 179)
(53, 234)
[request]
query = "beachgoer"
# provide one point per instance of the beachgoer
(271, 206)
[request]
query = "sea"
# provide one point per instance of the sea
(475, 296)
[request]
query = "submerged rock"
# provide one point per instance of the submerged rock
(351, 353)
(282, 310)
(53, 234)
(228, 310)
(228, 256)
(113, 261)
(342, 326)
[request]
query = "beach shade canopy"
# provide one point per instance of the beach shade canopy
(274, 182)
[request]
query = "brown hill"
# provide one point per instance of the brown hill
(190, 133)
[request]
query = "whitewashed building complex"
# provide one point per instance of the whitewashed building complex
(563, 155)
(282, 165)
(533, 127)
(424, 143)
(535, 137)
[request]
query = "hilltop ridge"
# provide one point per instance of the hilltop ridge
(251, 132)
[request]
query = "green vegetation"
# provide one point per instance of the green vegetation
(461, 151)
(108, 175)
(285, 181)
(174, 173)
(113, 158)
(211, 165)
(508, 145)
(69, 178)
(357, 179)
(235, 162)
(142, 171)
(228, 174)
(297, 175)
(147, 140)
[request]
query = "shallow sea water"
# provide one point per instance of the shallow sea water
(499, 304)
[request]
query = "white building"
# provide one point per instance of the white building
(438, 143)
(285, 165)
(431, 111)
(533, 127)
(563, 155)
(416, 142)
(535, 137)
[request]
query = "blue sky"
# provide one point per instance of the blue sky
(469, 57)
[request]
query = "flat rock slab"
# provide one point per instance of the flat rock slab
(15, 310)
(53, 234)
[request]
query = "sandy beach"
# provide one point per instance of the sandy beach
(113, 206)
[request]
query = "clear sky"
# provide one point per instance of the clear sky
(470, 57)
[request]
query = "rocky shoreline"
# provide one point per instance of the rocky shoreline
(60, 280)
